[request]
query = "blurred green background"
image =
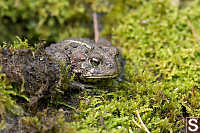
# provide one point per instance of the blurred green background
(55, 20)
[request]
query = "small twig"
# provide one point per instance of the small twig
(145, 128)
(96, 31)
(136, 123)
(102, 122)
(193, 91)
(193, 30)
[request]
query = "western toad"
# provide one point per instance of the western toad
(39, 72)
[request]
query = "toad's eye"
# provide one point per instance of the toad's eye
(95, 61)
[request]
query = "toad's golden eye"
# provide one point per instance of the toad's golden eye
(95, 61)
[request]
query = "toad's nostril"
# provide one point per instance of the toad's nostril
(109, 65)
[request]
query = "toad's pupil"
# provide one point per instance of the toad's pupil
(95, 61)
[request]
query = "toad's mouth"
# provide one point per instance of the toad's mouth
(101, 76)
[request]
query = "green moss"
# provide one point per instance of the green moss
(43, 19)
(161, 71)
(7, 104)
(46, 121)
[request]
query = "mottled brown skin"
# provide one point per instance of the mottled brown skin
(39, 72)
(89, 61)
